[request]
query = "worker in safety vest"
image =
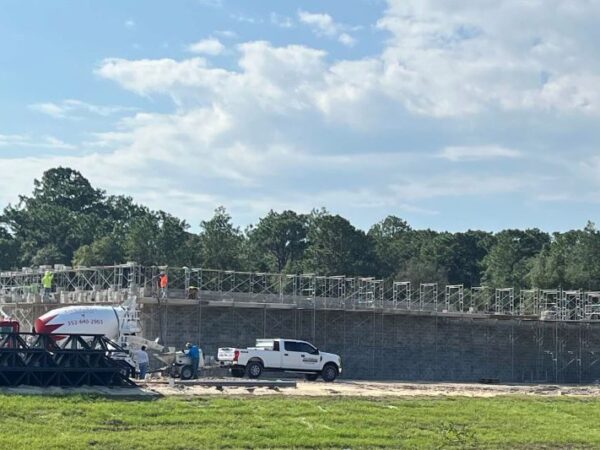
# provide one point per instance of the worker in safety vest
(194, 353)
(47, 284)
(163, 282)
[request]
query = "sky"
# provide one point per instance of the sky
(454, 114)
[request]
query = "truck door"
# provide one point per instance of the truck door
(300, 356)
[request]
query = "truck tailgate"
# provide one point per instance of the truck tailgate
(226, 354)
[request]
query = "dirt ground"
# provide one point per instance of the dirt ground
(158, 388)
(382, 389)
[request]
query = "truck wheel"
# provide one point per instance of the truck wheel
(186, 372)
(237, 373)
(311, 376)
(254, 369)
(329, 372)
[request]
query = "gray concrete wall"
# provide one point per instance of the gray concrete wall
(387, 346)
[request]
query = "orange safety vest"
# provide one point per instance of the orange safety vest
(162, 281)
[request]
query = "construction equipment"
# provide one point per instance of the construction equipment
(180, 365)
(74, 360)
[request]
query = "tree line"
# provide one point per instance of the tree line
(65, 220)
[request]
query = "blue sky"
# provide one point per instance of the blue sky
(453, 115)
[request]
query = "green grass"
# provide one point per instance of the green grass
(275, 422)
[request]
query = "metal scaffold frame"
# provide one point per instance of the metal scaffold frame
(112, 284)
(549, 304)
(505, 301)
(428, 296)
(454, 298)
(592, 306)
(70, 285)
(480, 299)
(401, 294)
(571, 305)
(529, 300)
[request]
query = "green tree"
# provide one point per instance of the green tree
(394, 245)
(141, 241)
(69, 189)
(9, 250)
(279, 239)
(465, 257)
(171, 240)
(549, 267)
(63, 213)
(419, 270)
(106, 250)
(511, 258)
(48, 255)
(335, 247)
(583, 264)
(221, 243)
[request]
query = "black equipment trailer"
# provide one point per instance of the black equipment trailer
(68, 360)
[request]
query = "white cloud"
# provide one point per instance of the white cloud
(346, 39)
(324, 25)
(26, 141)
(246, 19)
(463, 58)
(209, 46)
(281, 21)
(291, 126)
(153, 75)
(73, 108)
(229, 34)
(275, 78)
(478, 153)
(463, 184)
(129, 24)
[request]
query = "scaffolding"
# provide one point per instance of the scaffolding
(571, 305)
(112, 284)
(428, 297)
(549, 304)
(505, 301)
(481, 300)
(528, 302)
(592, 306)
(454, 298)
(401, 292)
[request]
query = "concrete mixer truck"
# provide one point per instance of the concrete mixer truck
(118, 323)
(115, 322)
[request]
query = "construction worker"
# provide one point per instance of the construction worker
(194, 353)
(192, 293)
(47, 284)
(141, 358)
(163, 282)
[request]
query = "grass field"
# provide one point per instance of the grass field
(274, 422)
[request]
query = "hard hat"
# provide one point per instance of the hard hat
(188, 345)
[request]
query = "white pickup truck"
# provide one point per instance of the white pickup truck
(281, 355)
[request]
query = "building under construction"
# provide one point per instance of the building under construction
(382, 329)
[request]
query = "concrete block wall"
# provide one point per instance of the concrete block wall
(385, 346)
